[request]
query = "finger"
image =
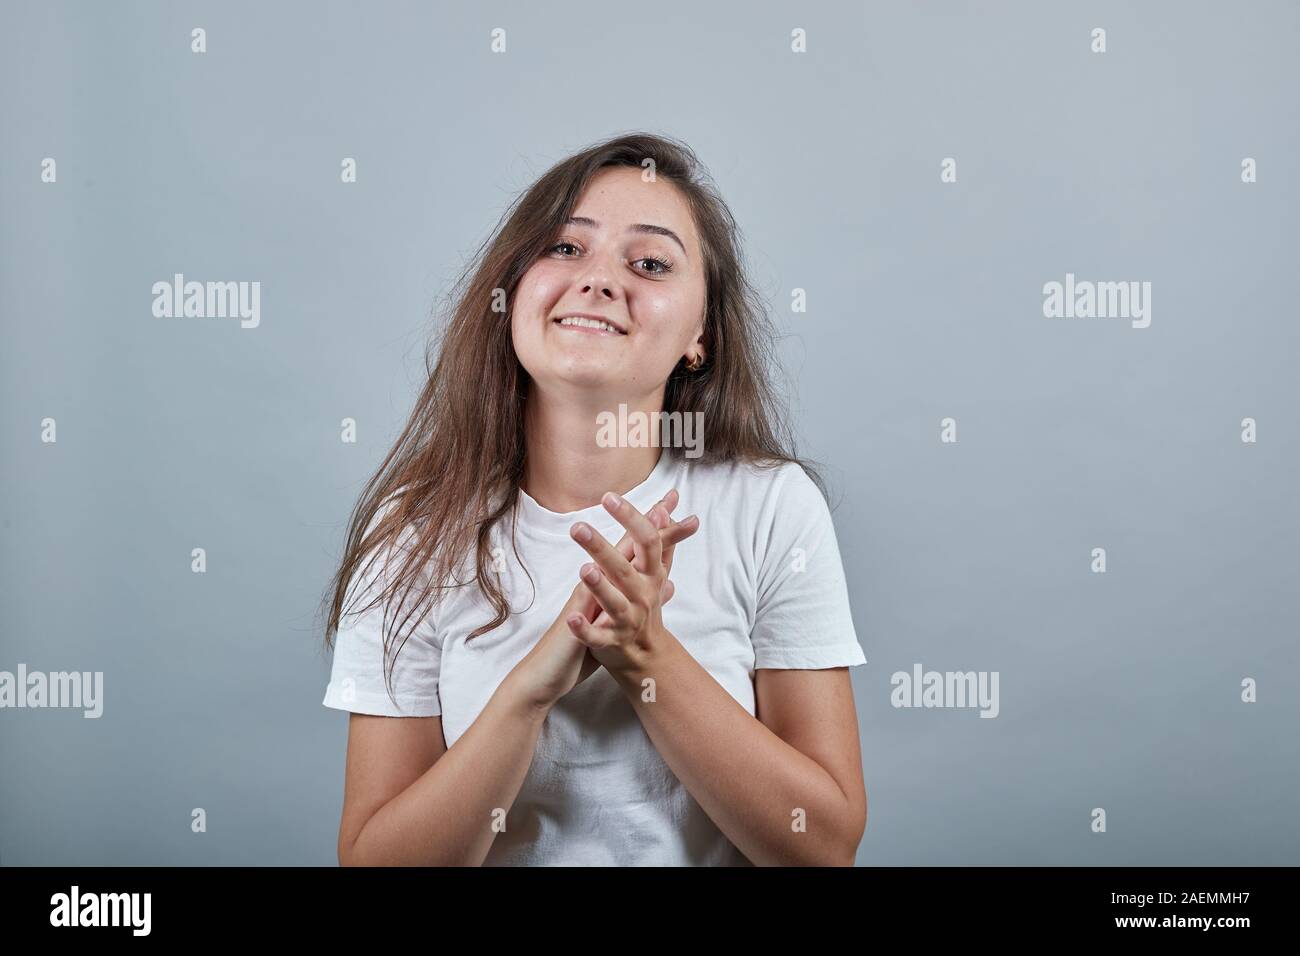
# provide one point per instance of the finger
(588, 633)
(682, 530)
(679, 531)
(669, 501)
(627, 546)
(666, 592)
(583, 602)
(673, 534)
(649, 550)
(577, 600)
(607, 596)
(665, 506)
(616, 567)
(659, 516)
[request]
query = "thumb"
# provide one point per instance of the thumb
(583, 602)
(577, 601)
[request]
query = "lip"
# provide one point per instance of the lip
(588, 315)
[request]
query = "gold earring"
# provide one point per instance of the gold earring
(694, 364)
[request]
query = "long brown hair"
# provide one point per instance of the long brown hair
(456, 468)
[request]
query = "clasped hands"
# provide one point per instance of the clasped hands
(625, 586)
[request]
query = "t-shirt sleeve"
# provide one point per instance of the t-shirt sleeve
(357, 678)
(802, 618)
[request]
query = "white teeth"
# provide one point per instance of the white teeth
(588, 323)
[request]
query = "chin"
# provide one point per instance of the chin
(596, 380)
(575, 371)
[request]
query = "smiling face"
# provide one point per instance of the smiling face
(617, 299)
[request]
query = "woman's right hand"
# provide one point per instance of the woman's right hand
(559, 661)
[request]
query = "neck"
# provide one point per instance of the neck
(564, 469)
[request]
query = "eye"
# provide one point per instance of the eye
(655, 265)
(563, 244)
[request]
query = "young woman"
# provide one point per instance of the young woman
(551, 669)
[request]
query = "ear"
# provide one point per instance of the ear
(698, 352)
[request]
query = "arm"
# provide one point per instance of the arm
(785, 787)
(409, 801)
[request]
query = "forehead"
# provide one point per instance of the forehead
(618, 197)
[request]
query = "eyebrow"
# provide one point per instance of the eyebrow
(635, 227)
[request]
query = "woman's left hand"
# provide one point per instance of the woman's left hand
(630, 593)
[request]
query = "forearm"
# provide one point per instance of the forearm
(451, 814)
(755, 787)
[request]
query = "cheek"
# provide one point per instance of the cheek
(540, 287)
(673, 316)
(530, 304)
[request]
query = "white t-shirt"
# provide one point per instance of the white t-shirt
(760, 584)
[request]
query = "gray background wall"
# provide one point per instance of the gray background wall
(1118, 690)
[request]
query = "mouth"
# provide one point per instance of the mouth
(591, 324)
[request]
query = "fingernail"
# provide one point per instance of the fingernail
(612, 500)
(582, 532)
(590, 573)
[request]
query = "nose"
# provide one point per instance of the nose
(598, 279)
(597, 287)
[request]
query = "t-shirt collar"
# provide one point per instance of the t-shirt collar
(532, 517)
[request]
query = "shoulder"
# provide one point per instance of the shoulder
(389, 541)
(760, 507)
(761, 485)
